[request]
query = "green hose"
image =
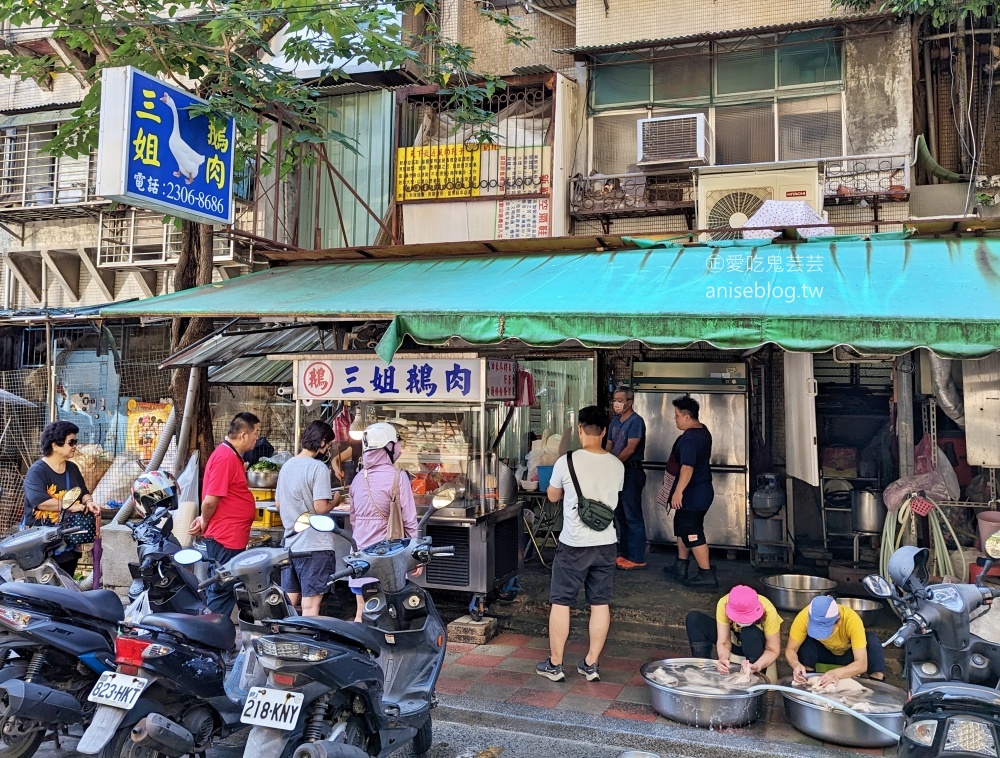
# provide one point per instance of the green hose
(896, 527)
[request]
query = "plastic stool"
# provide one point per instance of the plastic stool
(822, 668)
(770, 673)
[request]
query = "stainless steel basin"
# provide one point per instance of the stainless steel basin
(697, 709)
(829, 725)
(868, 610)
(793, 592)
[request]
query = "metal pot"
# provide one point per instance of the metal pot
(824, 723)
(868, 512)
(868, 610)
(262, 480)
(507, 491)
(731, 709)
(793, 592)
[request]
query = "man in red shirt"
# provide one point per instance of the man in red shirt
(227, 508)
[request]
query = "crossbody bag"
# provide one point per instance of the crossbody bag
(593, 513)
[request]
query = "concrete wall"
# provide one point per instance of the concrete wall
(634, 20)
(879, 94)
(462, 21)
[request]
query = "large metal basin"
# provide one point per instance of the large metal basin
(262, 480)
(704, 710)
(868, 610)
(793, 592)
(829, 725)
(868, 512)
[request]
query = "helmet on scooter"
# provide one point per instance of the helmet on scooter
(908, 568)
(155, 489)
(377, 436)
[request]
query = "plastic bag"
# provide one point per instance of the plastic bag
(138, 609)
(278, 459)
(187, 481)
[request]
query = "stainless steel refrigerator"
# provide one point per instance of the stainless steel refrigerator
(721, 390)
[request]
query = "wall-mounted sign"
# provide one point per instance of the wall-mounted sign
(406, 379)
(154, 153)
(501, 379)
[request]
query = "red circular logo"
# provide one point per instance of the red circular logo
(317, 379)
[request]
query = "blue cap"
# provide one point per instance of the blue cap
(824, 613)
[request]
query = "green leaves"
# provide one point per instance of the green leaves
(940, 12)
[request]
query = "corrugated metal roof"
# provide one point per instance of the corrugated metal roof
(540, 68)
(642, 44)
(552, 4)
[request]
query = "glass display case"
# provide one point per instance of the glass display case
(443, 447)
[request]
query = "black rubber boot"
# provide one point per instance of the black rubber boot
(701, 649)
(677, 571)
(702, 579)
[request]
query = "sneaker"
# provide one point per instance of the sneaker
(550, 671)
(590, 673)
(626, 565)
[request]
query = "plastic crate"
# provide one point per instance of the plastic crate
(259, 495)
(266, 519)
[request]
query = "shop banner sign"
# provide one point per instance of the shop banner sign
(154, 153)
(406, 379)
(501, 379)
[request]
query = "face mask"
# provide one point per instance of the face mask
(395, 452)
(619, 407)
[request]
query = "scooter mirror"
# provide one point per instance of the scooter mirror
(444, 498)
(70, 497)
(877, 586)
(322, 523)
(992, 546)
(188, 557)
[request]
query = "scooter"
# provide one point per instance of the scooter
(169, 586)
(170, 694)
(337, 689)
(953, 676)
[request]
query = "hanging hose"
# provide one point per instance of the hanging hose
(897, 526)
(826, 701)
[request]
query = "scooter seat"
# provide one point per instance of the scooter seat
(356, 634)
(214, 630)
(101, 604)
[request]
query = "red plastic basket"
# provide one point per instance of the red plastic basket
(921, 505)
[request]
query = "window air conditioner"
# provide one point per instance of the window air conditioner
(665, 140)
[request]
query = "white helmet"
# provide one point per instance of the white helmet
(378, 436)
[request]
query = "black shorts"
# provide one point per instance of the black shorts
(689, 523)
(592, 568)
(310, 576)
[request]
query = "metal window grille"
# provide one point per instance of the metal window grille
(31, 177)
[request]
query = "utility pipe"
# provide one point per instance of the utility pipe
(931, 113)
(947, 393)
(194, 381)
(950, 35)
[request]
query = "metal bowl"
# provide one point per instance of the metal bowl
(704, 710)
(824, 723)
(793, 592)
(262, 480)
(868, 610)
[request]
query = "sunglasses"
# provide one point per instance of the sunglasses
(71, 443)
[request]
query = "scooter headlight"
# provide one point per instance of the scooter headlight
(921, 732)
(970, 736)
(296, 651)
(14, 618)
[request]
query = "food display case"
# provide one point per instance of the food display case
(449, 440)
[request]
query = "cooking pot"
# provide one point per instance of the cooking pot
(262, 480)
(868, 512)
(507, 492)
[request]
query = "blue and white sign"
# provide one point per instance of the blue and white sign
(154, 153)
(409, 379)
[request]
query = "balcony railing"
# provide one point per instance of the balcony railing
(850, 178)
(139, 239)
(34, 185)
(625, 195)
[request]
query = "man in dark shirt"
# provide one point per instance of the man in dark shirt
(693, 493)
(627, 441)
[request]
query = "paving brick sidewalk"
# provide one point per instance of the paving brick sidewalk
(504, 671)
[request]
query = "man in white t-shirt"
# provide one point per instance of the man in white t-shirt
(585, 558)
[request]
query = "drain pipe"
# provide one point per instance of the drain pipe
(947, 393)
(194, 381)
(757, 688)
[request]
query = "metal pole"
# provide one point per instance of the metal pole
(194, 380)
(931, 113)
(50, 365)
(904, 413)
(298, 422)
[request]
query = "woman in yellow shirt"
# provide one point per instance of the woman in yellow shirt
(745, 623)
(826, 632)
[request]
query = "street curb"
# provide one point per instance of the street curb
(668, 740)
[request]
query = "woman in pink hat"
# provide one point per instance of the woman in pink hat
(745, 623)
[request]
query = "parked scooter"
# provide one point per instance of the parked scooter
(28, 555)
(170, 694)
(953, 676)
(64, 640)
(337, 689)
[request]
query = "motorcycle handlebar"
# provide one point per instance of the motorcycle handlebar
(905, 632)
(342, 574)
(299, 553)
(438, 550)
(210, 581)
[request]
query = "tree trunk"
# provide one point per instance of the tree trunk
(194, 269)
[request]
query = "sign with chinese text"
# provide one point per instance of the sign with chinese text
(437, 171)
(155, 153)
(523, 219)
(501, 379)
(405, 379)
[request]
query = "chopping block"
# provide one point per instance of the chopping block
(464, 629)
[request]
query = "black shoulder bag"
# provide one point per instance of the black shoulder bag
(593, 513)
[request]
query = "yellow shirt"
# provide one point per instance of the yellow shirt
(770, 624)
(848, 632)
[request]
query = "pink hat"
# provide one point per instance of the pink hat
(744, 606)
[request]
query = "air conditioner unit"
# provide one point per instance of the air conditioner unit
(729, 195)
(669, 140)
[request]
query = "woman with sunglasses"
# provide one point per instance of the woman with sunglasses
(49, 478)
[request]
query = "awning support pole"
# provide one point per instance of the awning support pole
(904, 414)
(190, 401)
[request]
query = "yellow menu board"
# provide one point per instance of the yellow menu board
(437, 171)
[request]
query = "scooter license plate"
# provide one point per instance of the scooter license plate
(117, 690)
(277, 709)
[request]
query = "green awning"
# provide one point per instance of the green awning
(881, 296)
